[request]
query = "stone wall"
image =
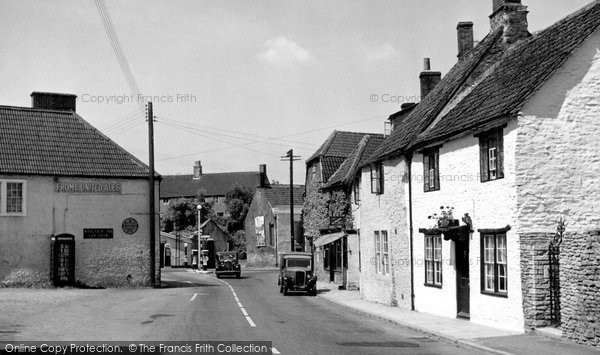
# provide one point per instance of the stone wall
(386, 212)
(580, 288)
(535, 279)
(557, 150)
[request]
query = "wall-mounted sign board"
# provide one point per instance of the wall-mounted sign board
(88, 187)
(97, 233)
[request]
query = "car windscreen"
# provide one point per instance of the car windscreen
(298, 262)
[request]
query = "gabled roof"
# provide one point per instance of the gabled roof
(212, 184)
(432, 104)
(60, 143)
(521, 71)
(512, 75)
(338, 146)
(345, 173)
(279, 195)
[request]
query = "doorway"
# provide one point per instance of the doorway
(462, 279)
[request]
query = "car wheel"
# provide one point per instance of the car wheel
(281, 289)
(238, 275)
(313, 291)
(218, 276)
(285, 291)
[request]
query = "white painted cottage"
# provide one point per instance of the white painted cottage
(508, 140)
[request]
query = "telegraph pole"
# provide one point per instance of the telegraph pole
(152, 197)
(290, 155)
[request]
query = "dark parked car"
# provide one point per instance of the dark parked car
(227, 264)
(296, 273)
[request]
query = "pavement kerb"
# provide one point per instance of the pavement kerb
(427, 331)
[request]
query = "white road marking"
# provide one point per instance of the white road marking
(250, 321)
(275, 351)
(193, 297)
(252, 324)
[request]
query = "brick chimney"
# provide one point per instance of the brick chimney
(262, 175)
(510, 15)
(197, 169)
(465, 38)
(53, 101)
(429, 79)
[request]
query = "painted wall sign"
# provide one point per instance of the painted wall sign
(130, 225)
(97, 233)
(259, 229)
(88, 187)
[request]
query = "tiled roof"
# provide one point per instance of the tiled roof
(60, 143)
(519, 74)
(212, 184)
(513, 75)
(279, 195)
(331, 164)
(338, 146)
(432, 104)
(345, 173)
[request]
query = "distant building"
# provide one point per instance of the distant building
(74, 206)
(268, 222)
(213, 187)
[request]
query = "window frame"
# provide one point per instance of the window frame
(491, 167)
(382, 253)
(496, 265)
(356, 189)
(4, 198)
(377, 179)
(431, 162)
(433, 262)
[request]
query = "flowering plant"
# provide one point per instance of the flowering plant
(445, 217)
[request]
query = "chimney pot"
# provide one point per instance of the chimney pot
(197, 169)
(53, 101)
(465, 38)
(429, 79)
(262, 175)
(426, 64)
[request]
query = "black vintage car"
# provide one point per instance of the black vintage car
(227, 263)
(296, 273)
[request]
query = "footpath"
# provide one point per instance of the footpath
(492, 340)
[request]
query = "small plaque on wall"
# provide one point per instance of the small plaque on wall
(130, 225)
(97, 233)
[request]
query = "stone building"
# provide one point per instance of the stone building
(327, 214)
(342, 245)
(74, 205)
(211, 187)
(506, 139)
(267, 223)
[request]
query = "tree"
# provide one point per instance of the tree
(182, 214)
(238, 202)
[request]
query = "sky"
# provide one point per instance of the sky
(235, 84)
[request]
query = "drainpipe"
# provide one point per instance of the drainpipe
(410, 221)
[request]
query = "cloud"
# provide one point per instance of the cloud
(383, 52)
(281, 51)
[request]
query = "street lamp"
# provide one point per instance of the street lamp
(195, 251)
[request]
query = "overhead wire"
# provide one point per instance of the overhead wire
(219, 131)
(118, 50)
